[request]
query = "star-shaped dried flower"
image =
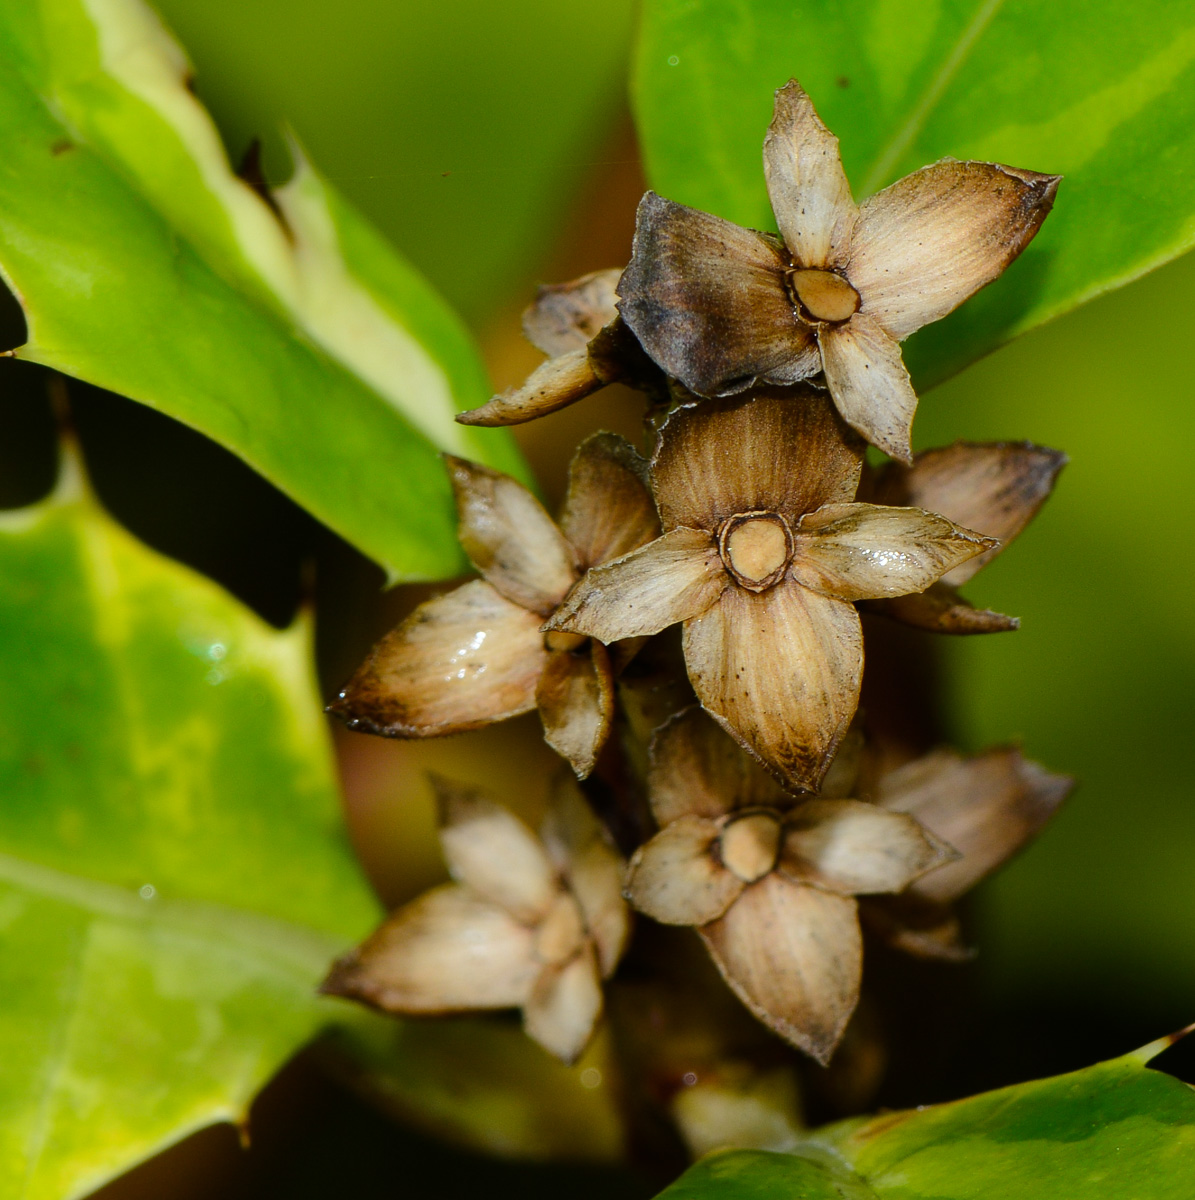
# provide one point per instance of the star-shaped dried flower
(477, 654)
(530, 923)
(993, 487)
(763, 554)
(768, 881)
(987, 806)
(722, 308)
(577, 325)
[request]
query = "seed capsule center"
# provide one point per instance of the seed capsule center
(750, 845)
(825, 295)
(756, 548)
(561, 933)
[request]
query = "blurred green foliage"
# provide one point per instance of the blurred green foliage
(461, 128)
(1100, 679)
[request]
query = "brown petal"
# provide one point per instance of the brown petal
(458, 662)
(806, 183)
(566, 316)
(668, 580)
(923, 245)
(676, 877)
(564, 1006)
(843, 776)
(987, 807)
(695, 767)
(993, 487)
(780, 671)
(863, 551)
(782, 452)
(509, 538)
(608, 509)
(867, 378)
(940, 609)
(488, 848)
(854, 848)
(576, 704)
(707, 301)
(794, 956)
(916, 927)
(553, 385)
(448, 951)
(580, 847)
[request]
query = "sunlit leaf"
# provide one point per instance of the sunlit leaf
(1115, 1131)
(174, 876)
(1100, 91)
(296, 338)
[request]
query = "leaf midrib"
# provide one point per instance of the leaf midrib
(295, 949)
(902, 137)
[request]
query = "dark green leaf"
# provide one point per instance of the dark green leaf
(1101, 91)
(303, 342)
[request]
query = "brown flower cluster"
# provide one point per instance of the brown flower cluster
(754, 797)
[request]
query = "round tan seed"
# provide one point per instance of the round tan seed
(825, 295)
(757, 548)
(750, 844)
(561, 639)
(561, 932)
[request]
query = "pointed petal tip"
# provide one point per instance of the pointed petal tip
(342, 979)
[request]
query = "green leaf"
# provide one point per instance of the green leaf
(1115, 1131)
(299, 340)
(462, 129)
(174, 876)
(1102, 92)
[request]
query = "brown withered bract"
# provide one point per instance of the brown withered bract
(987, 806)
(764, 552)
(722, 308)
(995, 488)
(577, 325)
(531, 922)
(769, 880)
(477, 654)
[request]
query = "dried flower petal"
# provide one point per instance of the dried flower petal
(806, 183)
(935, 237)
(671, 579)
(993, 487)
(786, 453)
(576, 704)
(553, 385)
(567, 316)
(780, 671)
(853, 848)
(870, 385)
(695, 767)
(447, 951)
(564, 1006)
(676, 877)
(458, 662)
(488, 848)
(706, 300)
(987, 807)
(794, 956)
(509, 538)
(862, 551)
(580, 848)
(608, 509)
(940, 609)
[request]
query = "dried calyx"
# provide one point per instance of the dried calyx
(740, 783)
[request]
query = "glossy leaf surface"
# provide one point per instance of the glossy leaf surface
(1101, 92)
(1115, 1131)
(296, 338)
(174, 877)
